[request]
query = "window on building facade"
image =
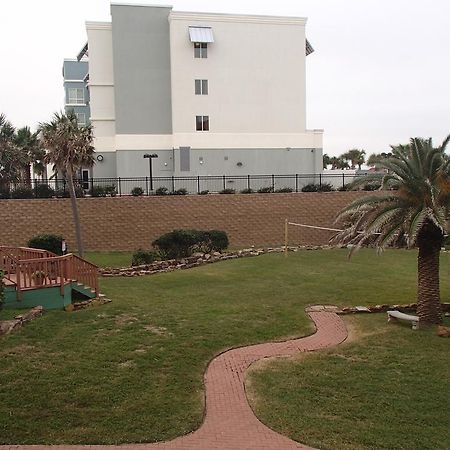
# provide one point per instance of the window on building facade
(81, 118)
(201, 87)
(76, 96)
(200, 50)
(202, 123)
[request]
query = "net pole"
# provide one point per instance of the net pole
(286, 224)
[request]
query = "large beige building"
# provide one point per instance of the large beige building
(209, 94)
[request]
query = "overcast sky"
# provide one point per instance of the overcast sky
(380, 73)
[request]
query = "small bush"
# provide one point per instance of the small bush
(4, 193)
(247, 191)
(64, 192)
(49, 242)
(218, 240)
(176, 244)
(44, 191)
(110, 189)
(312, 187)
(345, 187)
(181, 191)
(284, 190)
(371, 186)
(265, 190)
(182, 243)
(22, 192)
(325, 187)
(205, 192)
(98, 191)
(137, 191)
(227, 191)
(162, 191)
(141, 257)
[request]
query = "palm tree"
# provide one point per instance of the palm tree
(69, 148)
(12, 158)
(29, 145)
(415, 201)
(375, 158)
(326, 160)
(356, 157)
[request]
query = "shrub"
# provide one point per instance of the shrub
(2, 289)
(177, 243)
(141, 257)
(181, 191)
(265, 190)
(182, 243)
(64, 192)
(22, 192)
(44, 191)
(247, 191)
(371, 186)
(162, 191)
(98, 191)
(312, 187)
(325, 187)
(284, 190)
(110, 189)
(227, 191)
(218, 240)
(205, 192)
(49, 242)
(137, 191)
(4, 193)
(345, 187)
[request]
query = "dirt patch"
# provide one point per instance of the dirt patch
(127, 364)
(18, 350)
(159, 331)
(125, 319)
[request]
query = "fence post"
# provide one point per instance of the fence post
(92, 185)
(343, 180)
(224, 182)
(248, 182)
(120, 188)
(273, 182)
(146, 185)
(173, 183)
(320, 179)
(296, 182)
(198, 184)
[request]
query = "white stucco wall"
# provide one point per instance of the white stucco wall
(101, 85)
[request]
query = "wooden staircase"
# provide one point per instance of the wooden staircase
(28, 269)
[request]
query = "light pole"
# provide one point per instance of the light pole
(150, 156)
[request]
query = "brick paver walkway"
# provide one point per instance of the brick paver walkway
(229, 421)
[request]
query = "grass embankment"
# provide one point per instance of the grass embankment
(132, 370)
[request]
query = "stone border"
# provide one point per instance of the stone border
(198, 259)
(7, 326)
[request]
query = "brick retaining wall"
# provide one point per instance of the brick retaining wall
(127, 223)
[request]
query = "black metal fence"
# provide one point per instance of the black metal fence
(201, 184)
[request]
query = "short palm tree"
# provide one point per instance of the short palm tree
(414, 203)
(69, 147)
(29, 145)
(356, 157)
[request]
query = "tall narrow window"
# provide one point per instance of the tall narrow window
(81, 118)
(200, 50)
(202, 123)
(75, 96)
(201, 87)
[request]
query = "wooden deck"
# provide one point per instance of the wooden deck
(27, 269)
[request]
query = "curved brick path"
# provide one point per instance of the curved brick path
(229, 421)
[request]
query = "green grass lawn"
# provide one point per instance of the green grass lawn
(110, 259)
(390, 389)
(132, 370)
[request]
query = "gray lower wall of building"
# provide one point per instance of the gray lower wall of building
(75, 70)
(107, 167)
(141, 53)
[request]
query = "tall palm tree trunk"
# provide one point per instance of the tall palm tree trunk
(428, 294)
(76, 215)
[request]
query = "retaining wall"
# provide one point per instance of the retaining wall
(128, 223)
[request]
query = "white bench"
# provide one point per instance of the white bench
(397, 315)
